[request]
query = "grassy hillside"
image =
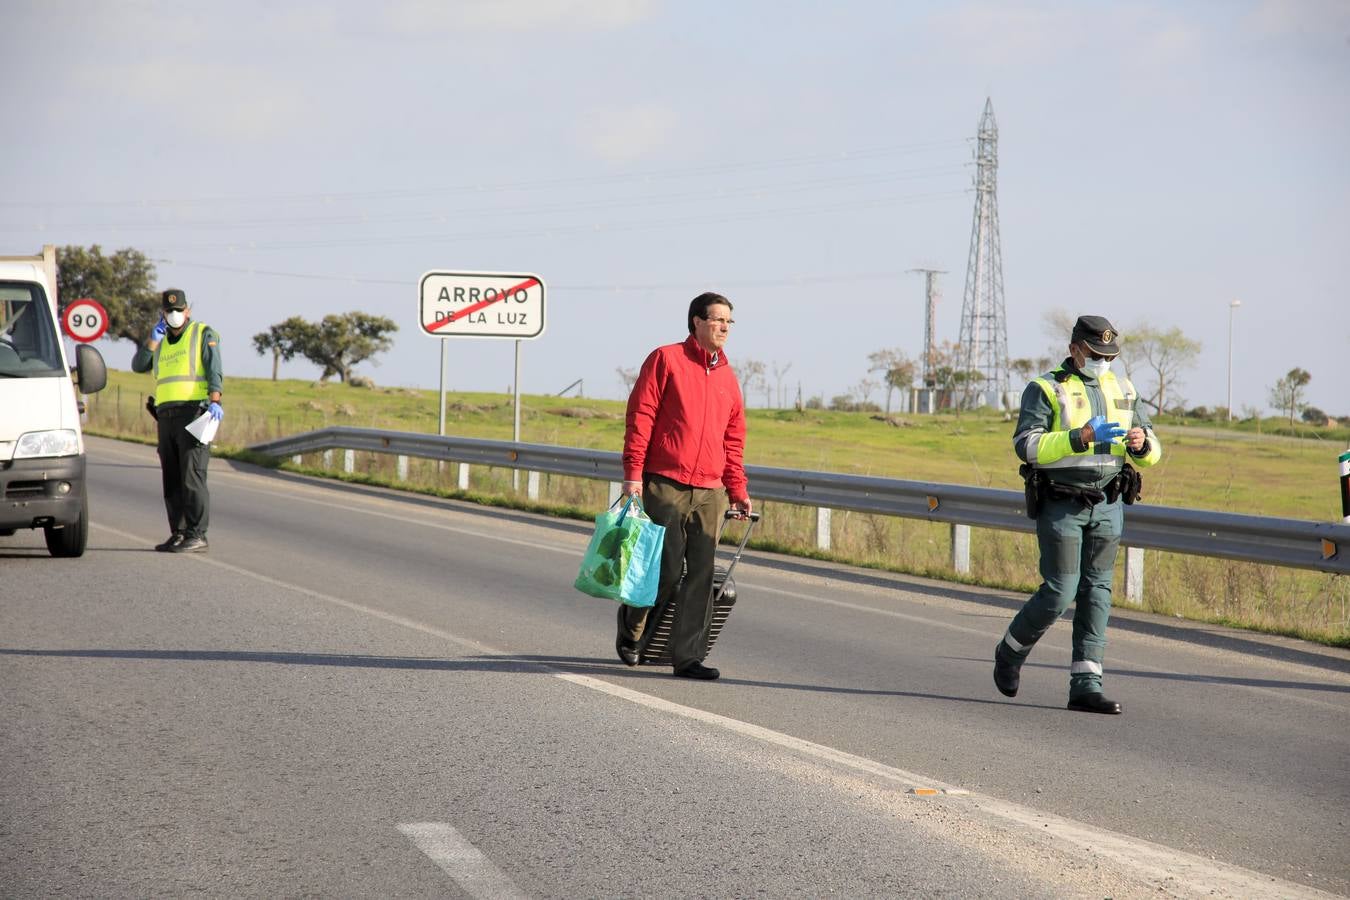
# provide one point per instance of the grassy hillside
(1244, 469)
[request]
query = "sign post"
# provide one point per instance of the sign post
(482, 305)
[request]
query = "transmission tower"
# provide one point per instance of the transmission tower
(930, 313)
(984, 326)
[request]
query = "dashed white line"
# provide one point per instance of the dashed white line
(462, 861)
(1186, 874)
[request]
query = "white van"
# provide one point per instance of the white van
(42, 459)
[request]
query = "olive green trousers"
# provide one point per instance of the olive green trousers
(691, 517)
(1078, 546)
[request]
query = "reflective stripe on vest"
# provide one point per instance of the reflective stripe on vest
(1072, 395)
(178, 367)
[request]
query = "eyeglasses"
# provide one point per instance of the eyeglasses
(720, 321)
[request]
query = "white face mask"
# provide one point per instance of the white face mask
(1095, 368)
(175, 318)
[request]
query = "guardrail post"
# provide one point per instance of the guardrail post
(348, 461)
(328, 459)
(463, 476)
(822, 528)
(1134, 574)
(532, 486)
(403, 468)
(961, 548)
(615, 489)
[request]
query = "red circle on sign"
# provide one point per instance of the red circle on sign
(85, 320)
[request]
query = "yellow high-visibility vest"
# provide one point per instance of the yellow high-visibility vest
(1072, 408)
(179, 375)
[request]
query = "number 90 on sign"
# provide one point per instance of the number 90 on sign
(85, 320)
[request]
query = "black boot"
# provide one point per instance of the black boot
(1095, 703)
(1007, 671)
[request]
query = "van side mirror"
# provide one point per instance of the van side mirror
(90, 370)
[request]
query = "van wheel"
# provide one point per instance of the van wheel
(69, 542)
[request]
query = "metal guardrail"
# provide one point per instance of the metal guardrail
(1260, 539)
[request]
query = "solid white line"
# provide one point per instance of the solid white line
(462, 861)
(1183, 874)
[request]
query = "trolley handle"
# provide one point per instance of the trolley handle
(750, 520)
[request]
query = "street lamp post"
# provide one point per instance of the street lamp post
(1231, 307)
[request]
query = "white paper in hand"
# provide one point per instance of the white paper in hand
(203, 428)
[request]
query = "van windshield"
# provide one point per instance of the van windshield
(29, 344)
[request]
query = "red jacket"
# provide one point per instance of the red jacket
(686, 420)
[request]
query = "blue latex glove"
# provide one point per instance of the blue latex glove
(217, 413)
(161, 329)
(1103, 430)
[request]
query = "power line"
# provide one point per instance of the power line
(571, 181)
(554, 231)
(793, 281)
(359, 219)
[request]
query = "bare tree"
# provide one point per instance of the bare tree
(1166, 353)
(1287, 394)
(751, 374)
(1058, 326)
(897, 371)
(778, 373)
(1027, 368)
(628, 377)
(863, 390)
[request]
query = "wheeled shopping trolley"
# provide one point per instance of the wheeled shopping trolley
(654, 645)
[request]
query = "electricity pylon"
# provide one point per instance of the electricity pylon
(933, 294)
(984, 326)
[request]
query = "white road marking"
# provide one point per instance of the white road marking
(462, 861)
(1184, 874)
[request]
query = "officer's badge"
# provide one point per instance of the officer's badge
(1080, 402)
(1108, 336)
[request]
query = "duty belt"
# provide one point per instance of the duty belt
(1089, 497)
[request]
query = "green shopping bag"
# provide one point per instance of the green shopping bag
(623, 561)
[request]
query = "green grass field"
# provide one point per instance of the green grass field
(1257, 468)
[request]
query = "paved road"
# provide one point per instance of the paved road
(357, 693)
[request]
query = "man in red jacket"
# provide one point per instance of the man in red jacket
(683, 445)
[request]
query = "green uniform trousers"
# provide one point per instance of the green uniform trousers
(1078, 556)
(691, 517)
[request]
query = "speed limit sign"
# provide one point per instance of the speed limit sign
(85, 320)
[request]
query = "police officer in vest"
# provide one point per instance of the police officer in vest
(185, 357)
(1080, 436)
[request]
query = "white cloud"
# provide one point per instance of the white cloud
(628, 134)
(1040, 33)
(213, 100)
(1279, 18)
(421, 16)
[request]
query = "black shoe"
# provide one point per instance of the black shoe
(697, 670)
(1007, 673)
(192, 543)
(174, 540)
(1094, 703)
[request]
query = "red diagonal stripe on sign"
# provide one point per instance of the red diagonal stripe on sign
(523, 286)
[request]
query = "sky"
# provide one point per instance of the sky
(1157, 161)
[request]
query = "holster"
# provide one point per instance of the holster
(150, 407)
(1034, 489)
(1127, 486)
